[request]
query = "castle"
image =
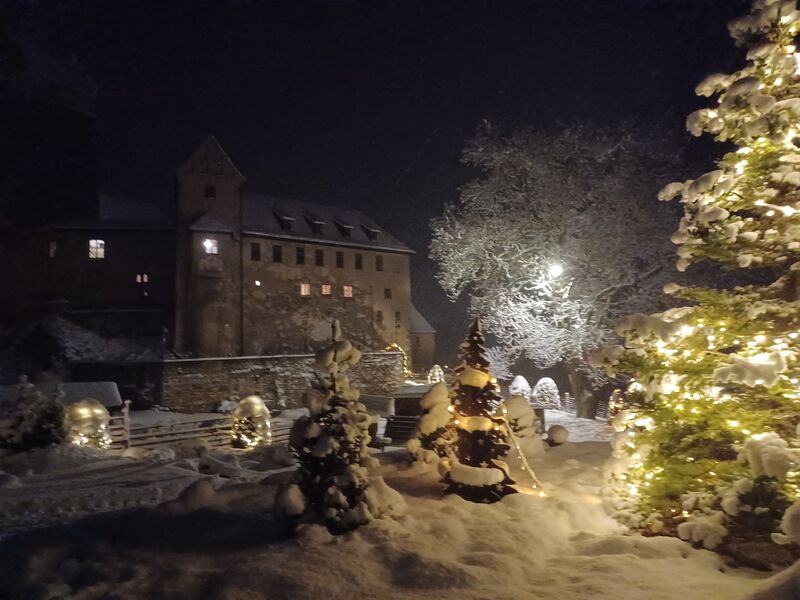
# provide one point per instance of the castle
(236, 273)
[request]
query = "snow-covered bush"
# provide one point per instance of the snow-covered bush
(545, 394)
(522, 419)
(332, 482)
(429, 442)
(36, 420)
(520, 387)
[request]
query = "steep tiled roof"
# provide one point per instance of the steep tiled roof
(305, 221)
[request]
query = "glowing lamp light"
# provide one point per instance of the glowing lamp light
(556, 270)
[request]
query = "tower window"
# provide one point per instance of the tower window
(347, 291)
(319, 258)
(327, 290)
(53, 249)
(340, 260)
(211, 246)
(305, 289)
(379, 262)
(387, 293)
(397, 318)
(97, 249)
(211, 191)
(277, 254)
(255, 251)
(359, 262)
(379, 316)
(301, 256)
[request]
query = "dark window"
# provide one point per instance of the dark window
(359, 262)
(315, 224)
(211, 191)
(387, 293)
(397, 317)
(255, 251)
(284, 220)
(379, 316)
(301, 256)
(379, 263)
(340, 260)
(277, 254)
(319, 258)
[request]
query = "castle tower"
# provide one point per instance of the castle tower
(208, 293)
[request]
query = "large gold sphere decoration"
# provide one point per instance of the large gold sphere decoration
(86, 422)
(251, 426)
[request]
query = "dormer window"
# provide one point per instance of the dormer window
(370, 232)
(345, 230)
(315, 224)
(210, 246)
(285, 220)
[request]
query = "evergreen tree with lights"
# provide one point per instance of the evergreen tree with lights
(480, 435)
(332, 482)
(708, 446)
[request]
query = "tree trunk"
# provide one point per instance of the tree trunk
(581, 389)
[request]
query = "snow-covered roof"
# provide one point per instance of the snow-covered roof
(207, 223)
(120, 208)
(307, 221)
(418, 323)
(105, 392)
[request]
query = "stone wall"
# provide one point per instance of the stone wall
(199, 385)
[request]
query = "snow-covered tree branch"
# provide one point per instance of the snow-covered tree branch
(558, 238)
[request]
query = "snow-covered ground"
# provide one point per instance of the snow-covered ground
(218, 541)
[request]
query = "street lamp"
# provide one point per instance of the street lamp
(556, 270)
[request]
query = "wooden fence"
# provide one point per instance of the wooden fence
(214, 430)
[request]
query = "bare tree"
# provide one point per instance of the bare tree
(560, 235)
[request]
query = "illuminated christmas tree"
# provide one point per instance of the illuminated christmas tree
(473, 470)
(709, 442)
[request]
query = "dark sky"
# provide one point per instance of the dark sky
(368, 104)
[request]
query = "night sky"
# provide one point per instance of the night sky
(368, 104)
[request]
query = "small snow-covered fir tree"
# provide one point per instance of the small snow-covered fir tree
(714, 436)
(431, 437)
(332, 482)
(473, 469)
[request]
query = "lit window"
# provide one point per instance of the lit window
(138, 278)
(145, 278)
(142, 278)
(301, 256)
(258, 283)
(255, 251)
(53, 248)
(379, 263)
(347, 291)
(277, 254)
(387, 293)
(340, 260)
(319, 258)
(305, 289)
(211, 246)
(359, 262)
(327, 290)
(97, 249)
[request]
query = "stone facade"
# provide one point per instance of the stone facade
(199, 385)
